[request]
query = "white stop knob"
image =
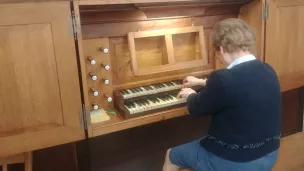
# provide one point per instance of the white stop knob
(95, 107)
(107, 67)
(105, 50)
(107, 81)
(93, 62)
(95, 93)
(110, 99)
(94, 77)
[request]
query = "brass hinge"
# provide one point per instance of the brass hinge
(265, 11)
(84, 118)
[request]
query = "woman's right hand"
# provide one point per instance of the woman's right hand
(191, 81)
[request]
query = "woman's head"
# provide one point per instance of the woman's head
(233, 38)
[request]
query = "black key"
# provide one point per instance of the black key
(127, 91)
(142, 102)
(171, 84)
(136, 89)
(133, 105)
(133, 91)
(147, 102)
(153, 100)
(146, 88)
(139, 104)
(122, 92)
(128, 106)
(170, 97)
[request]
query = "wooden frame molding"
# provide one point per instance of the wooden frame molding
(167, 33)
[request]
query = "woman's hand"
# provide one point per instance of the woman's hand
(191, 81)
(185, 92)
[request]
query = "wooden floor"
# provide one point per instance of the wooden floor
(291, 154)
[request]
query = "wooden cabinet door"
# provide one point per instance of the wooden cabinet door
(285, 41)
(39, 83)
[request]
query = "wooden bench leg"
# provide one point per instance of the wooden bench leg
(4, 167)
(28, 161)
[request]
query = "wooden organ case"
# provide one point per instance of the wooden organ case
(101, 66)
(134, 57)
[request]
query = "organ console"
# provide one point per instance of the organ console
(138, 72)
(126, 57)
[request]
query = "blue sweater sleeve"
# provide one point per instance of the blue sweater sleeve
(209, 100)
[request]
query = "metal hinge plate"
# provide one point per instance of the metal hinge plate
(84, 118)
(74, 26)
(265, 11)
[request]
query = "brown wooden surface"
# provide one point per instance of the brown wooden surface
(114, 29)
(285, 40)
(292, 111)
(25, 1)
(144, 54)
(291, 152)
(252, 13)
(39, 84)
(104, 2)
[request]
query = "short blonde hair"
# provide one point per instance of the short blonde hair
(233, 35)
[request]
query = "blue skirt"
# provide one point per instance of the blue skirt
(192, 155)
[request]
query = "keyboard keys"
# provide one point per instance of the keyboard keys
(151, 89)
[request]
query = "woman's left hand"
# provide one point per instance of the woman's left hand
(185, 92)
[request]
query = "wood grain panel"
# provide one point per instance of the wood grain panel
(252, 13)
(104, 2)
(115, 29)
(39, 89)
(284, 42)
(121, 65)
(151, 52)
(28, 74)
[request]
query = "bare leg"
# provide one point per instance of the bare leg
(168, 166)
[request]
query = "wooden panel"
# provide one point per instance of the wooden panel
(23, 1)
(114, 29)
(292, 112)
(39, 84)
(284, 42)
(252, 13)
(186, 47)
(122, 74)
(103, 2)
(28, 74)
(164, 67)
(117, 123)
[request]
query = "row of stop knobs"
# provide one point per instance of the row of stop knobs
(94, 77)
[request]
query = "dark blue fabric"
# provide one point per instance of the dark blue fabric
(192, 155)
(245, 104)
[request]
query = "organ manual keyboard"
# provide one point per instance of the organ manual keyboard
(143, 100)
